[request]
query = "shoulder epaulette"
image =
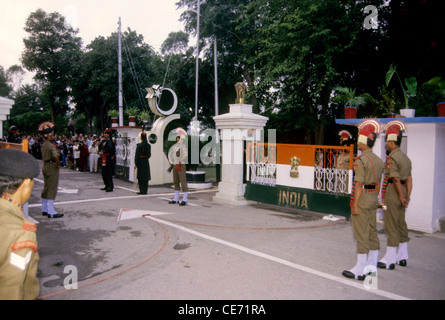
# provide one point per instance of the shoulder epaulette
(27, 244)
(27, 226)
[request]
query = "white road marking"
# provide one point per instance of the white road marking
(127, 214)
(351, 283)
(118, 198)
(61, 190)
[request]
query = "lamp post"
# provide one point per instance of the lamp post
(197, 60)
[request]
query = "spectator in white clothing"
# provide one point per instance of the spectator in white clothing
(94, 156)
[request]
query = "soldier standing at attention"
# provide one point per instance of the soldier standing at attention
(50, 171)
(141, 162)
(364, 201)
(177, 157)
(342, 161)
(14, 135)
(396, 197)
(107, 151)
(18, 244)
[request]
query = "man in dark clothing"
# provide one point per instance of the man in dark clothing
(13, 135)
(107, 151)
(143, 153)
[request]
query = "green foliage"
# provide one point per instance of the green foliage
(5, 87)
(292, 55)
(132, 111)
(429, 94)
(348, 97)
(113, 113)
(176, 42)
(388, 101)
(52, 51)
(438, 85)
(410, 83)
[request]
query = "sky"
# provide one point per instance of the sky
(154, 19)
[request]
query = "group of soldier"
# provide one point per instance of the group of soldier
(395, 192)
(18, 245)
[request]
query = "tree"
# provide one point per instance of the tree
(175, 42)
(5, 87)
(95, 90)
(299, 52)
(219, 20)
(52, 51)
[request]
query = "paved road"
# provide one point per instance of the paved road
(208, 251)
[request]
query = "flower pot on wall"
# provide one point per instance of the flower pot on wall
(114, 122)
(350, 112)
(131, 121)
(391, 115)
(441, 109)
(409, 113)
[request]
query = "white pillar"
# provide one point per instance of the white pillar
(237, 126)
(5, 107)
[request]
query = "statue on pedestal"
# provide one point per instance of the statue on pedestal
(240, 88)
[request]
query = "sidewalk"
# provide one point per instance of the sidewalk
(207, 251)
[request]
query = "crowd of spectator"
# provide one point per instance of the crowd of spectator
(77, 152)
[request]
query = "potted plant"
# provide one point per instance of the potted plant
(351, 100)
(387, 103)
(114, 114)
(440, 85)
(411, 89)
(132, 112)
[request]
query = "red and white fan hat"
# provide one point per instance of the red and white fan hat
(345, 135)
(368, 129)
(394, 130)
(46, 127)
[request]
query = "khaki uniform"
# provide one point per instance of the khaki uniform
(18, 254)
(368, 170)
(50, 170)
(342, 166)
(397, 165)
(178, 155)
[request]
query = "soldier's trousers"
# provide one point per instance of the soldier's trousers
(364, 224)
(143, 186)
(396, 228)
(180, 177)
(107, 176)
(51, 181)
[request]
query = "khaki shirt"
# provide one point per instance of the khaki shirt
(18, 254)
(398, 165)
(343, 161)
(49, 151)
(368, 168)
(178, 153)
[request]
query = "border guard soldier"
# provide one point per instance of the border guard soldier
(368, 169)
(178, 156)
(107, 151)
(18, 243)
(14, 135)
(141, 162)
(397, 191)
(50, 170)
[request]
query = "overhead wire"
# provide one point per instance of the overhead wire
(134, 74)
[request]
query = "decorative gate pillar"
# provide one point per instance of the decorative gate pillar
(5, 107)
(159, 161)
(237, 126)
